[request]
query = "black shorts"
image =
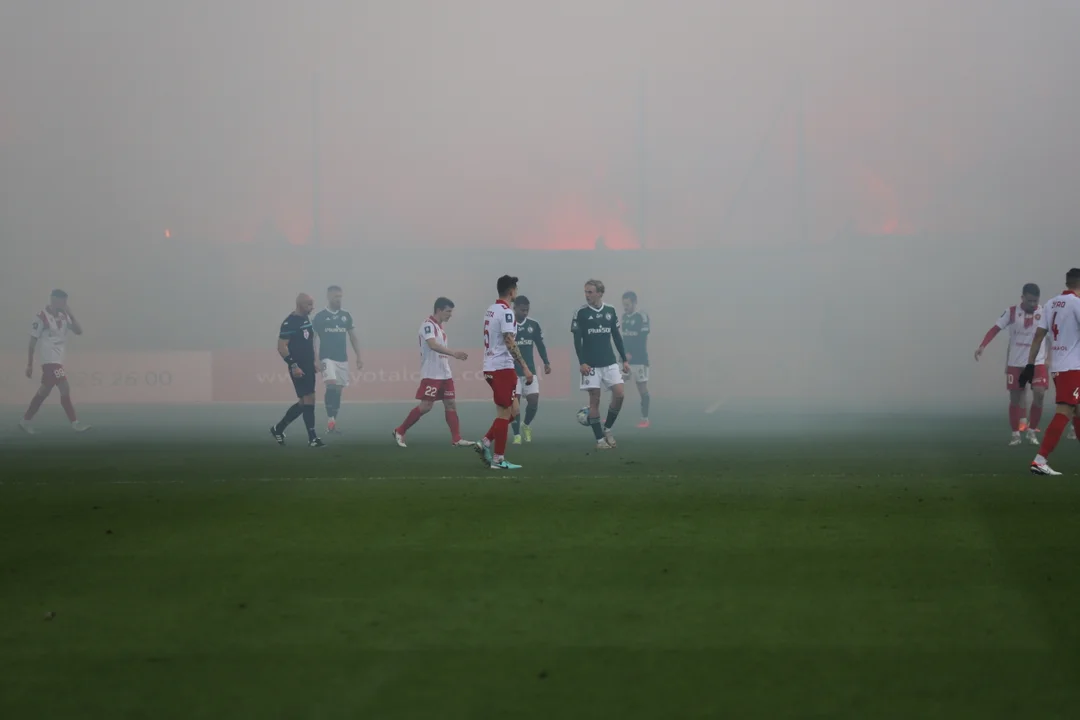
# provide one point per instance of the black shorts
(304, 385)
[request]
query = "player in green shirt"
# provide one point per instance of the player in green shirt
(595, 328)
(635, 330)
(529, 335)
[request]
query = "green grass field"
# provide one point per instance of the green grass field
(772, 567)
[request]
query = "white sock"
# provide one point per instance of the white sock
(1040, 460)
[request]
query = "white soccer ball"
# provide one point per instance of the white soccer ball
(583, 416)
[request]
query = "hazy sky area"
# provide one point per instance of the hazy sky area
(772, 132)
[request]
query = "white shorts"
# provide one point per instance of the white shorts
(531, 389)
(335, 373)
(640, 373)
(602, 378)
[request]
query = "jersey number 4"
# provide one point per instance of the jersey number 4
(1054, 327)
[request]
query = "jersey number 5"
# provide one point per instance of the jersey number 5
(487, 334)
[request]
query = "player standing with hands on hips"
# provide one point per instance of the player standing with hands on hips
(296, 345)
(500, 354)
(1061, 320)
(48, 337)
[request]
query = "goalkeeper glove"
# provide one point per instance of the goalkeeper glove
(1027, 375)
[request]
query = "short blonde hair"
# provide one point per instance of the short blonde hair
(599, 286)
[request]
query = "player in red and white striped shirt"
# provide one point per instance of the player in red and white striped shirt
(48, 340)
(1021, 321)
(1061, 321)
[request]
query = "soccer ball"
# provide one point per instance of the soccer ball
(583, 416)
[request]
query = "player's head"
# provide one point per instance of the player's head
(444, 308)
(507, 287)
(1029, 296)
(304, 304)
(629, 301)
(1072, 279)
(594, 292)
(521, 308)
(333, 297)
(58, 299)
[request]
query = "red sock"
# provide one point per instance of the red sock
(410, 420)
(1015, 415)
(1053, 434)
(490, 434)
(500, 435)
(1034, 416)
(35, 405)
(455, 425)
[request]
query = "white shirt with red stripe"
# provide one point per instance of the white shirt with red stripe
(1061, 320)
(1022, 325)
(51, 330)
(499, 321)
(433, 366)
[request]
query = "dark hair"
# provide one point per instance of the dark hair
(630, 295)
(442, 303)
(521, 300)
(59, 294)
(505, 284)
(1031, 289)
(334, 288)
(1072, 278)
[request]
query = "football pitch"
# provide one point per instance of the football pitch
(178, 564)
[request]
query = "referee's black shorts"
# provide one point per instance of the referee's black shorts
(304, 385)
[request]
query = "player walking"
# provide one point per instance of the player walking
(1061, 320)
(331, 326)
(635, 331)
(296, 345)
(500, 354)
(48, 339)
(437, 382)
(1022, 322)
(529, 335)
(595, 327)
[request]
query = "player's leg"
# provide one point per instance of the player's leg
(641, 378)
(1039, 385)
(69, 408)
(453, 421)
(46, 386)
(611, 378)
(426, 394)
(1016, 404)
(1067, 389)
(307, 403)
(493, 445)
(532, 404)
(515, 422)
(332, 403)
(294, 411)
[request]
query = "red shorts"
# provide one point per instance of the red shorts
(435, 389)
(1068, 387)
(503, 385)
(1012, 378)
(52, 374)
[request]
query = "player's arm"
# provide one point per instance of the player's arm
(542, 349)
(1028, 373)
(355, 347)
(616, 337)
(443, 350)
(36, 328)
(515, 352)
(579, 344)
(283, 351)
(1001, 324)
(75, 326)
